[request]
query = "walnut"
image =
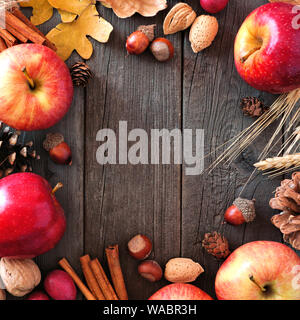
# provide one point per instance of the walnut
(2, 295)
(20, 276)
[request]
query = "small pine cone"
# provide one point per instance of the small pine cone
(216, 245)
(253, 107)
(81, 74)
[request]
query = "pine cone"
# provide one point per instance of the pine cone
(14, 156)
(81, 74)
(253, 107)
(216, 245)
(287, 199)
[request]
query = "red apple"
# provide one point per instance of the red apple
(180, 291)
(60, 286)
(213, 6)
(38, 295)
(31, 219)
(267, 49)
(36, 88)
(260, 270)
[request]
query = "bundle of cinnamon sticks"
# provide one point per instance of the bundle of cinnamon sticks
(98, 286)
(18, 29)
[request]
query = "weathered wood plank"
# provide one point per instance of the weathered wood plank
(212, 90)
(123, 200)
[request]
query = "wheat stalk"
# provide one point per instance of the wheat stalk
(279, 163)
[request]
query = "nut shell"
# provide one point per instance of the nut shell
(20, 276)
(150, 270)
(140, 247)
(179, 18)
(203, 32)
(182, 270)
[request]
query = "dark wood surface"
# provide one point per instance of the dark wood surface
(110, 204)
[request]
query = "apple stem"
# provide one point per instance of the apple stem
(247, 55)
(30, 81)
(254, 281)
(57, 187)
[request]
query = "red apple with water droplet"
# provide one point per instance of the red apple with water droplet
(36, 88)
(31, 220)
(267, 48)
(260, 270)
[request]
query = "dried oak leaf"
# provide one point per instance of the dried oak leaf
(42, 10)
(72, 6)
(127, 8)
(73, 36)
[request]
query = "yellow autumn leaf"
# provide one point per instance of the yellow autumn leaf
(42, 10)
(73, 36)
(67, 16)
(72, 6)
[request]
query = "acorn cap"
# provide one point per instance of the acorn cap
(52, 140)
(246, 207)
(148, 31)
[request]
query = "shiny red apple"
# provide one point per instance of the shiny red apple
(180, 291)
(267, 49)
(213, 6)
(260, 270)
(31, 220)
(36, 88)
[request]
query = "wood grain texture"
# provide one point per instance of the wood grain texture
(124, 200)
(212, 90)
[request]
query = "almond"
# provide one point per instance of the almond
(203, 32)
(182, 270)
(180, 17)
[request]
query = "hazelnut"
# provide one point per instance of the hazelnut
(137, 43)
(140, 247)
(182, 270)
(20, 276)
(2, 295)
(150, 270)
(162, 49)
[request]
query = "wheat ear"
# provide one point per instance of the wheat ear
(279, 163)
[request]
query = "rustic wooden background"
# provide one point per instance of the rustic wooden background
(110, 204)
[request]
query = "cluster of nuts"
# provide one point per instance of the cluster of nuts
(177, 270)
(204, 28)
(143, 37)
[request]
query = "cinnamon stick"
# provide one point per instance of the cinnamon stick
(113, 259)
(19, 14)
(102, 280)
(23, 28)
(8, 38)
(90, 278)
(16, 33)
(3, 45)
(67, 267)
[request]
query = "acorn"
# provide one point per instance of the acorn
(58, 149)
(241, 211)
